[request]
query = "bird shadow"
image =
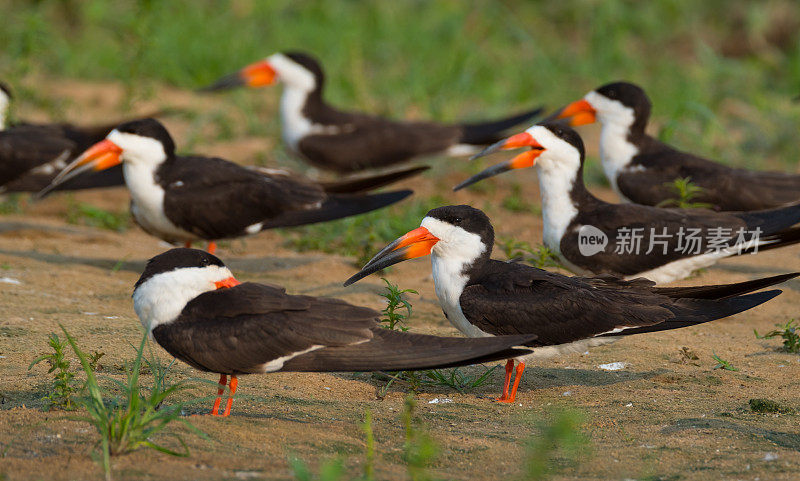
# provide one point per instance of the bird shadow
(782, 439)
(548, 377)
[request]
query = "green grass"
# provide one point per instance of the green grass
(361, 236)
(92, 216)
(721, 73)
(685, 192)
(723, 364)
(540, 256)
(395, 315)
(138, 418)
(63, 387)
(788, 332)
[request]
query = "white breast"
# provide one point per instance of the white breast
(558, 210)
(616, 152)
(449, 284)
(147, 204)
(295, 125)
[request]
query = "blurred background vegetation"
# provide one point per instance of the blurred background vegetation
(722, 73)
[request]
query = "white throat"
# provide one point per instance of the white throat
(141, 157)
(456, 249)
(4, 102)
(161, 298)
(557, 169)
(616, 151)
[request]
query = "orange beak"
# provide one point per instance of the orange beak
(579, 112)
(521, 161)
(100, 156)
(417, 243)
(258, 74)
(226, 283)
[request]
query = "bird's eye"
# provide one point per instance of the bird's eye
(457, 220)
(205, 261)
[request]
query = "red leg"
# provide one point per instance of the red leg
(509, 369)
(212, 248)
(234, 384)
(223, 380)
(517, 379)
(188, 244)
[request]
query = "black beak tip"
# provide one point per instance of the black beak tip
(227, 82)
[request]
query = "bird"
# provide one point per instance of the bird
(592, 236)
(194, 198)
(194, 308)
(32, 154)
(344, 141)
(482, 297)
(642, 169)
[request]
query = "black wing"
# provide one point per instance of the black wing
(239, 330)
(25, 148)
(363, 142)
(215, 199)
(724, 187)
(664, 235)
(243, 329)
(518, 299)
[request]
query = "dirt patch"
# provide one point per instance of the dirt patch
(659, 418)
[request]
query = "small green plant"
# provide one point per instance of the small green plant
(393, 317)
(540, 256)
(558, 439)
(86, 214)
(63, 387)
(419, 449)
(129, 422)
(723, 364)
(685, 193)
(789, 333)
(456, 379)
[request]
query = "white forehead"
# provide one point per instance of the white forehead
(453, 240)
(555, 147)
(610, 109)
(137, 147)
(292, 73)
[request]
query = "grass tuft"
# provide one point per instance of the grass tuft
(685, 193)
(63, 387)
(723, 364)
(395, 319)
(541, 256)
(788, 332)
(560, 441)
(89, 215)
(133, 420)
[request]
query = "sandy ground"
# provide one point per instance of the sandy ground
(658, 418)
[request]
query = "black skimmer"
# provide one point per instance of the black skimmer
(631, 240)
(32, 154)
(196, 310)
(193, 198)
(641, 169)
(342, 141)
(485, 297)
